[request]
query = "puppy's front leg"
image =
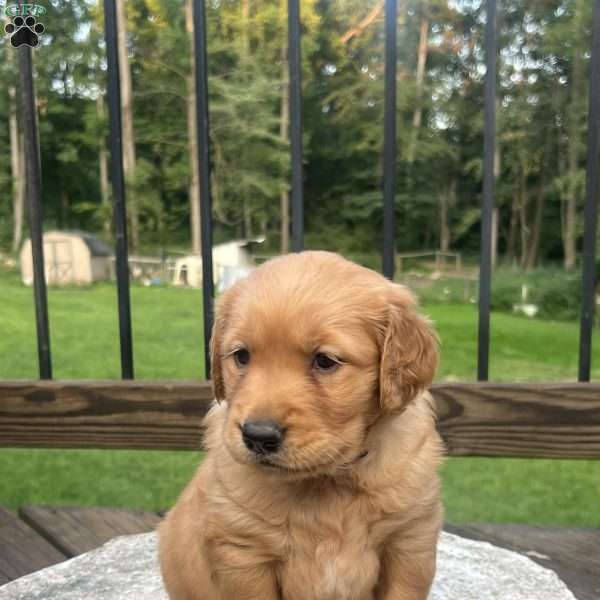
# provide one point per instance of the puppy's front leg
(239, 577)
(407, 577)
(408, 566)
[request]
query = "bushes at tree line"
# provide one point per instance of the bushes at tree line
(556, 294)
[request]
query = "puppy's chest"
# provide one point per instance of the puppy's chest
(331, 556)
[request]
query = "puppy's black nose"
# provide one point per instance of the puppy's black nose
(262, 437)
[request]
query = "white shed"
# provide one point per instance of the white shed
(69, 257)
(231, 261)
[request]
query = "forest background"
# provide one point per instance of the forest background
(540, 151)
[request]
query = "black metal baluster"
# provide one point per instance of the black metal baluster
(202, 132)
(118, 186)
(295, 67)
(485, 265)
(389, 139)
(591, 207)
(33, 186)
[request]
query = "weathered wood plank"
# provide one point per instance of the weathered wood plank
(521, 420)
(103, 414)
(475, 419)
(574, 554)
(75, 530)
(22, 550)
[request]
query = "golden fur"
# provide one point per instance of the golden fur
(322, 521)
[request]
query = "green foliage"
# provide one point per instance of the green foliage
(542, 129)
(506, 291)
(556, 294)
(444, 290)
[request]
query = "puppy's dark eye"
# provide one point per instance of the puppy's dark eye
(241, 357)
(322, 362)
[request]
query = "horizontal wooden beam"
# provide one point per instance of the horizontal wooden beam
(541, 420)
(103, 414)
(475, 419)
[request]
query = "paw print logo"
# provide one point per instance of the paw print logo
(24, 31)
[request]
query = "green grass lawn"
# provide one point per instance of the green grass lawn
(167, 329)
(84, 332)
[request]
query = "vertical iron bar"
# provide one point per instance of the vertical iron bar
(118, 185)
(591, 207)
(202, 132)
(296, 124)
(33, 184)
(389, 138)
(485, 266)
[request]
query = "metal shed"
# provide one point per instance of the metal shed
(70, 257)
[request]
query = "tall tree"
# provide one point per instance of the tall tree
(284, 126)
(103, 169)
(192, 123)
(129, 155)
(419, 81)
(573, 141)
(17, 168)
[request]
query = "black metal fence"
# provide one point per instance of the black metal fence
(389, 168)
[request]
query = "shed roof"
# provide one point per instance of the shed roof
(96, 246)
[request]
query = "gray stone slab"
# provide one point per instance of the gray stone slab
(469, 570)
(127, 569)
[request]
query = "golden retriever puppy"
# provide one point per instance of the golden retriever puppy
(320, 480)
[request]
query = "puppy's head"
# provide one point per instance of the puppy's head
(308, 352)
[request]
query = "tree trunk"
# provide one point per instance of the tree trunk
(570, 210)
(373, 15)
(103, 162)
(444, 233)
(245, 52)
(17, 171)
(65, 205)
(420, 79)
(194, 181)
(107, 220)
(246, 27)
(534, 246)
(570, 227)
(284, 119)
(523, 205)
(495, 210)
(540, 200)
(495, 219)
(562, 169)
(127, 123)
(421, 62)
(514, 222)
(447, 199)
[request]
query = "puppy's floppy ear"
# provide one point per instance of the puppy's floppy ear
(409, 354)
(222, 313)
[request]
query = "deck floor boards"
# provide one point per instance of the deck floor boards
(22, 550)
(75, 530)
(40, 536)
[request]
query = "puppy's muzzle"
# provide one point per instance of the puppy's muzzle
(262, 437)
